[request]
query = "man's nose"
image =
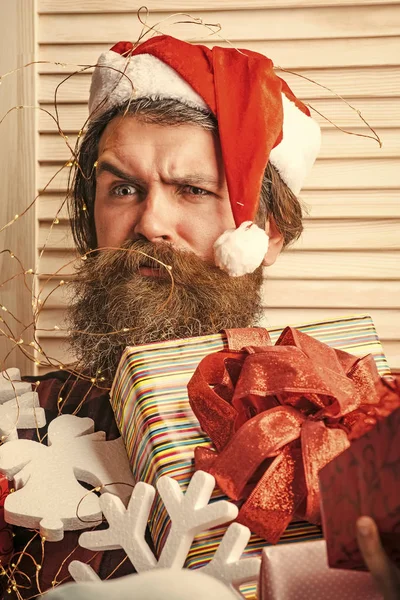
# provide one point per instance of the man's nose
(155, 218)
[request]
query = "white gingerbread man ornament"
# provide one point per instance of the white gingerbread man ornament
(48, 494)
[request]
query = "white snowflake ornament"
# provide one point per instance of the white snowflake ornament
(227, 564)
(48, 494)
(242, 250)
(127, 527)
(190, 513)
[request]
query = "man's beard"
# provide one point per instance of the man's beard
(114, 306)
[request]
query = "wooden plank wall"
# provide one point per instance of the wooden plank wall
(17, 179)
(347, 261)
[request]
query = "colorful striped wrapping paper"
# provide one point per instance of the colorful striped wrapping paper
(150, 402)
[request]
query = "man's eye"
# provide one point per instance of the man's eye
(196, 191)
(124, 190)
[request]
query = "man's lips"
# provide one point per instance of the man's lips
(154, 268)
(155, 271)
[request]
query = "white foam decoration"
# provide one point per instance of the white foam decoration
(127, 527)
(46, 478)
(82, 572)
(161, 584)
(22, 412)
(190, 513)
(11, 385)
(227, 564)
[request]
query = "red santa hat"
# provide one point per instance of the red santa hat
(259, 120)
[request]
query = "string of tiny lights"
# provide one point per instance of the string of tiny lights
(375, 136)
(17, 580)
(11, 570)
(56, 583)
(98, 489)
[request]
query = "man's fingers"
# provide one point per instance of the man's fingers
(381, 568)
(370, 545)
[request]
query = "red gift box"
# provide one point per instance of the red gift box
(363, 480)
(6, 540)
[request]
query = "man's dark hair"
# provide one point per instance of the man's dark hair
(276, 199)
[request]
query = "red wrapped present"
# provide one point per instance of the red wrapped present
(6, 540)
(277, 415)
(364, 480)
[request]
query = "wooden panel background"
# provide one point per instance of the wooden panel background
(347, 261)
(17, 177)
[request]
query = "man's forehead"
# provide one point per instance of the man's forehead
(123, 127)
(128, 145)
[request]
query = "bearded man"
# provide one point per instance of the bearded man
(186, 185)
(159, 198)
(159, 183)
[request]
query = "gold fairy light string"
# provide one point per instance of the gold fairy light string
(147, 29)
(39, 567)
(63, 398)
(372, 137)
(81, 403)
(97, 489)
(4, 438)
(56, 219)
(11, 568)
(119, 565)
(18, 216)
(56, 583)
(51, 361)
(22, 272)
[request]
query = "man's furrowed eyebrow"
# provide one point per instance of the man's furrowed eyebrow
(195, 180)
(106, 167)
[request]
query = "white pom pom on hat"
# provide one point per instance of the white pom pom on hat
(241, 250)
(259, 120)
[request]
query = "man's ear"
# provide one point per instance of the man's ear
(275, 242)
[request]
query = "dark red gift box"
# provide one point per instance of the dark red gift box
(363, 480)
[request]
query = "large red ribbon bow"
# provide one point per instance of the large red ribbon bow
(276, 415)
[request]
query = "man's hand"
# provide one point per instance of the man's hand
(385, 573)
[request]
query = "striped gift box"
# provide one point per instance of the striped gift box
(149, 399)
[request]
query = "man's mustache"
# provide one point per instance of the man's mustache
(137, 253)
(124, 262)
